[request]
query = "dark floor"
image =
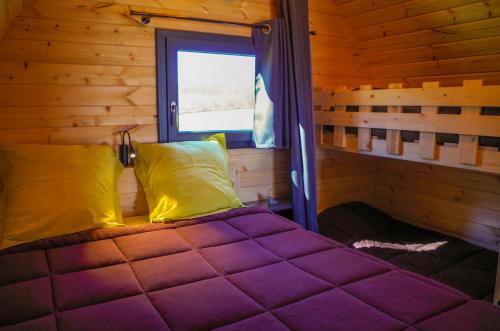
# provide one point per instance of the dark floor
(464, 266)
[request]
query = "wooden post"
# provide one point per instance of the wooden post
(427, 140)
(339, 134)
(394, 143)
(364, 134)
(322, 102)
(339, 131)
(469, 145)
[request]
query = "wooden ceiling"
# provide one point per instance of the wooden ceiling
(421, 40)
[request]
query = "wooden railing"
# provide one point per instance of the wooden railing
(344, 108)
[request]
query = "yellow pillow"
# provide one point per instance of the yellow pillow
(185, 179)
(55, 190)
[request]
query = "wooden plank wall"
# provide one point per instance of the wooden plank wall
(8, 12)
(414, 41)
(410, 42)
(335, 55)
(79, 71)
(459, 202)
(341, 176)
(344, 177)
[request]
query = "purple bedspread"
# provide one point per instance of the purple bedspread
(246, 269)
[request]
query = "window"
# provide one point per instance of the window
(206, 84)
(216, 91)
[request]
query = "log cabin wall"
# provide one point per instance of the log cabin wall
(8, 12)
(459, 202)
(79, 71)
(341, 176)
(416, 41)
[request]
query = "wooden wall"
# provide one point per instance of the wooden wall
(79, 71)
(344, 177)
(8, 12)
(335, 55)
(459, 202)
(336, 62)
(413, 41)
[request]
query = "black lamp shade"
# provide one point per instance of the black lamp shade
(123, 154)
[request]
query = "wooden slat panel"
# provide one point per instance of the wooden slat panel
(322, 99)
(489, 160)
(441, 96)
(427, 138)
(339, 131)
(468, 145)
(427, 145)
(364, 134)
(393, 140)
(339, 136)
(490, 78)
(428, 122)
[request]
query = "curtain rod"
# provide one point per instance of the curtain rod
(146, 18)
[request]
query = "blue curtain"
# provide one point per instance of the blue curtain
(283, 104)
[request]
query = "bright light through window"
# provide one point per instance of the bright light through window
(216, 91)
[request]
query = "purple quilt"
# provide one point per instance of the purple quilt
(246, 269)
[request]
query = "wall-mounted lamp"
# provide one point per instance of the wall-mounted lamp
(126, 151)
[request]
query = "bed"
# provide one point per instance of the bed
(454, 262)
(246, 269)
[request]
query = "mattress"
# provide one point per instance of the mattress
(464, 266)
(246, 269)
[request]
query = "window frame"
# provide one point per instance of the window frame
(168, 42)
